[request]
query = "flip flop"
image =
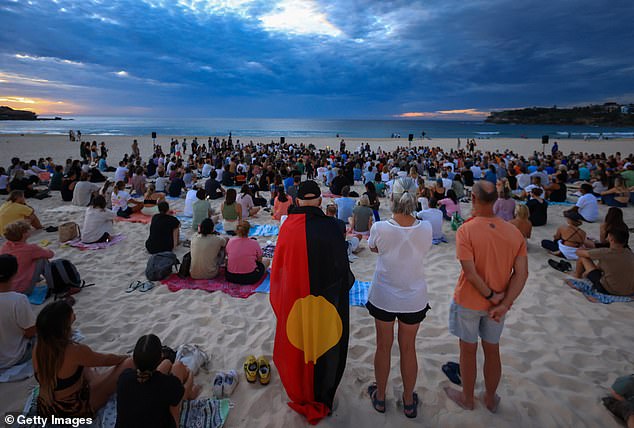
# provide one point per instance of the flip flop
(452, 371)
(133, 286)
(561, 266)
(146, 286)
(411, 410)
(379, 405)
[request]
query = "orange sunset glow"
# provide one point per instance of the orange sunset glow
(41, 106)
(470, 112)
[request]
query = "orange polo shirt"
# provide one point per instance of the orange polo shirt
(493, 245)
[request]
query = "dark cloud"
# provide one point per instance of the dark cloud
(390, 57)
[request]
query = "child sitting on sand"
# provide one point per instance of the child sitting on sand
(151, 394)
(521, 220)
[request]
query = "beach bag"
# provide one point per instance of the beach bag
(65, 277)
(68, 231)
(160, 265)
(192, 357)
(183, 270)
(456, 221)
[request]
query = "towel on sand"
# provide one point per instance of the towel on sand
(219, 283)
(358, 292)
(136, 218)
(256, 229)
(115, 239)
(585, 286)
(38, 295)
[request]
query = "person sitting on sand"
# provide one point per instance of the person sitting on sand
(568, 238)
(213, 188)
(164, 231)
(373, 198)
(56, 178)
(434, 216)
(618, 195)
(151, 200)
(231, 212)
(122, 203)
(521, 220)
(98, 222)
(161, 184)
(281, 204)
(620, 402)
(449, 205)
(152, 392)
(245, 199)
(138, 182)
(614, 218)
(586, 208)
(201, 210)
(537, 207)
(206, 251)
(399, 290)
(16, 318)
(339, 182)
(15, 208)
(362, 216)
(556, 191)
(345, 205)
(69, 386)
(32, 259)
(613, 271)
(351, 241)
(245, 264)
(176, 186)
(84, 191)
(438, 190)
(505, 205)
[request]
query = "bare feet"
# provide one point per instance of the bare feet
(458, 398)
(491, 403)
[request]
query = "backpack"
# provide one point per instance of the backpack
(160, 265)
(183, 270)
(65, 276)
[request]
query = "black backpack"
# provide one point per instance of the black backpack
(65, 276)
(160, 265)
(183, 270)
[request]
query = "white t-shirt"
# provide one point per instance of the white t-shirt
(82, 192)
(246, 202)
(161, 184)
(523, 181)
(207, 168)
(477, 172)
(190, 198)
(399, 283)
(4, 181)
(434, 217)
(588, 207)
(96, 223)
(120, 201)
(16, 316)
(120, 173)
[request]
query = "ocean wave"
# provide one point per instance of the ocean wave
(488, 133)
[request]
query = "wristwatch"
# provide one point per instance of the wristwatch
(490, 295)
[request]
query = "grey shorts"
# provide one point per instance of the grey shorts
(468, 324)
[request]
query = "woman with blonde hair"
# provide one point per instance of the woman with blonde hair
(68, 385)
(521, 220)
(151, 200)
(245, 264)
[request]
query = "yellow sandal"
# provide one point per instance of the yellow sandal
(251, 369)
(264, 370)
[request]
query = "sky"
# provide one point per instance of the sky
(371, 59)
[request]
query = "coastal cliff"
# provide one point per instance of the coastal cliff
(608, 114)
(7, 113)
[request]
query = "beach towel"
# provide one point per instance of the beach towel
(38, 295)
(564, 203)
(219, 283)
(115, 239)
(256, 229)
(358, 292)
(200, 413)
(330, 195)
(186, 222)
(585, 286)
(136, 218)
(173, 198)
(17, 373)
(268, 251)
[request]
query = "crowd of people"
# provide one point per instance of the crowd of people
(424, 187)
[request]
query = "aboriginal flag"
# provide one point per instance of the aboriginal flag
(310, 282)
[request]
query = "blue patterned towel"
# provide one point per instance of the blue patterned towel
(358, 292)
(38, 295)
(585, 286)
(256, 229)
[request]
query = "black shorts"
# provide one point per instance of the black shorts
(247, 278)
(404, 317)
(595, 277)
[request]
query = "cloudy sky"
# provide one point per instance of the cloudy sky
(313, 58)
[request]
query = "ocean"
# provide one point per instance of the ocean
(306, 128)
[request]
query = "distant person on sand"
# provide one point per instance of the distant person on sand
(494, 263)
(64, 369)
(310, 285)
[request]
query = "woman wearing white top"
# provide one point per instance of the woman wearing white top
(399, 290)
(98, 225)
(246, 202)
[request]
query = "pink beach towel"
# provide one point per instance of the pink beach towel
(219, 283)
(330, 195)
(136, 218)
(115, 239)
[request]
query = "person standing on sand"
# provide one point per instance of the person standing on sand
(494, 262)
(310, 284)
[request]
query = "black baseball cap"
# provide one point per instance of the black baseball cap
(8, 267)
(308, 190)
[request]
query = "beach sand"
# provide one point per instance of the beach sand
(559, 351)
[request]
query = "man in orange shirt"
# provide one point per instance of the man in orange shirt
(494, 263)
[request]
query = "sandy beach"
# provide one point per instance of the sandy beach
(559, 352)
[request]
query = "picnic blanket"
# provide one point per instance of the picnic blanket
(172, 198)
(330, 195)
(186, 222)
(358, 292)
(219, 283)
(585, 286)
(256, 229)
(38, 295)
(200, 413)
(136, 218)
(115, 239)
